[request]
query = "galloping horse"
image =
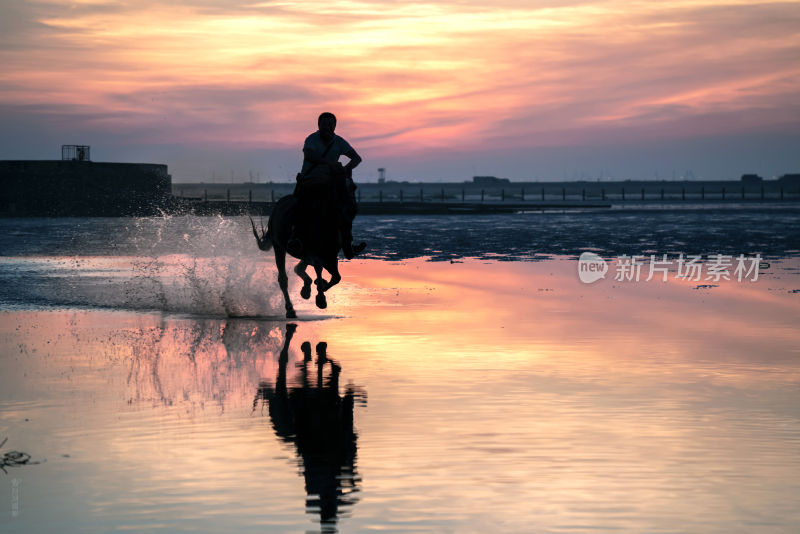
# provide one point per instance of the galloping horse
(322, 240)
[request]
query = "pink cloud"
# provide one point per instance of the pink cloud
(426, 76)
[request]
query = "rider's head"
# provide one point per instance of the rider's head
(327, 122)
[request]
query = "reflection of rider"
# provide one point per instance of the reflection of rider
(319, 422)
(321, 173)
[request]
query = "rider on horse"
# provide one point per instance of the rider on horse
(323, 183)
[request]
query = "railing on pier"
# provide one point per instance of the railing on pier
(454, 193)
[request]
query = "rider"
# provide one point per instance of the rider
(321, 171)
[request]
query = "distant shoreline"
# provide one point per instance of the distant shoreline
(97, 189)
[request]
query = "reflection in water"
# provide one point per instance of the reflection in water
(548, 406)
(319, 422)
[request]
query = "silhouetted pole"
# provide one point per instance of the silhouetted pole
(643, 193)
(723, 193)
(623, 193)
(563, 193)
(662, 193)
(743, 193)
(683, 193)
(603, 193)
(502, 195)
(481, 196)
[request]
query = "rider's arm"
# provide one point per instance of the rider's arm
(355, 159)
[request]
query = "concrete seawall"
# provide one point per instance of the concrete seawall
(83, 188)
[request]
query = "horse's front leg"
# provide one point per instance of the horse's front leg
(332, 267)
(322, 285)
(300, 270)
(283, 281)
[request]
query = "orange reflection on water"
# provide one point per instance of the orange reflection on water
(526, 312)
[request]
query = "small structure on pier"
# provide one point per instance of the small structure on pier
(76, 153)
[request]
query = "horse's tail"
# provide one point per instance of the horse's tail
(264, 241)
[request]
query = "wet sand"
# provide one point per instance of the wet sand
(471, 396)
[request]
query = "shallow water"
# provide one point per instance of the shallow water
(771, 230)
(473, 396)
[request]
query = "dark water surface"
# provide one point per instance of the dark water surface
(771, 230)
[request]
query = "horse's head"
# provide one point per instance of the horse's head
(264, 242)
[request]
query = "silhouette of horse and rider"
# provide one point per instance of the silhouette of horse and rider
(318, 421)
(316, 221)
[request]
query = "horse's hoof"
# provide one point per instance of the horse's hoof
(306, 292)
(290, 314)
(322, 302)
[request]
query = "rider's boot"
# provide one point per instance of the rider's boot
(351, 251)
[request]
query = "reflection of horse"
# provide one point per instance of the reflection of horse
(323, 224)
(319, 422)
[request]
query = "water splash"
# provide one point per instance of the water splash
(193, 265)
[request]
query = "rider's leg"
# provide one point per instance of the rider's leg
(347, 211)
(346, 228)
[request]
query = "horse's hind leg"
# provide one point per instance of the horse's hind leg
(300, 270)
(283, 281)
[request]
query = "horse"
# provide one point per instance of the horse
(322, 240)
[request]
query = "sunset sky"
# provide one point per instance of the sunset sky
(438, 90)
